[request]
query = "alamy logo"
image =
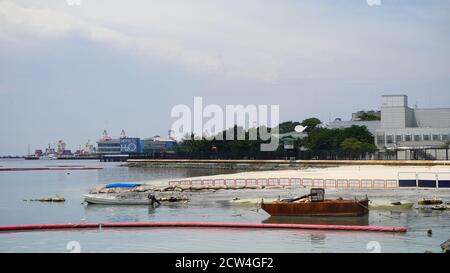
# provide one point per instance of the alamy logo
(74, 247)
(73, 2)
(190, 122)
(374, 2)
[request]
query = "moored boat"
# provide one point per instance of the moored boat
(107, 199)
(316, 205)
(130, 198)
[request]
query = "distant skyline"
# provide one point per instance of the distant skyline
(69, 72)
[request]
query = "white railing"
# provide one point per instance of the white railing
(293, 182)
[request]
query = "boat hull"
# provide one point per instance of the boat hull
(390, 205)
(342, 208)
(92, 199)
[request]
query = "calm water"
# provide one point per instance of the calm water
(18, 186)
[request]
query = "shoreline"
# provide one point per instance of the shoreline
(273, 164)
(349, 172)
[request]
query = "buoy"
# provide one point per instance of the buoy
(101, 226)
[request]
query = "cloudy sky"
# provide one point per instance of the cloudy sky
(70, 71)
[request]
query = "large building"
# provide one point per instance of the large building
(157, 144)
(123, 145)
(402, 127)
(132, 145)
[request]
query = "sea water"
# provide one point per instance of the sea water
(18, 186)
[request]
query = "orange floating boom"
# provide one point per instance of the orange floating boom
(36, 227)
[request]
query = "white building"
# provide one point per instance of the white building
(402, 127)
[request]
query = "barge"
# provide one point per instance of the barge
(314, 204)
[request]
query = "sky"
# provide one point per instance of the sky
(70, 71)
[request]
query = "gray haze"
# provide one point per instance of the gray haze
(68, 72)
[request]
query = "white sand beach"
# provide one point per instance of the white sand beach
(336, 172)
(342, 172)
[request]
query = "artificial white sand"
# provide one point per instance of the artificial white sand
(337, 172)
(342, 172)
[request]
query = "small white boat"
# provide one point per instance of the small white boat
(384, 204)
(108, 199)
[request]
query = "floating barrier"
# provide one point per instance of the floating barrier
(49, 169)
(294, 182)
(40, 227)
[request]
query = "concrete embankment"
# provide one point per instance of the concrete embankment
(215, 164)
(272, 164)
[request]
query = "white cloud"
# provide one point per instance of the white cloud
(49, 24)
(263, 40)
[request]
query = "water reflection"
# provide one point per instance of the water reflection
(317, 238)
(114, 174)
(317, 220)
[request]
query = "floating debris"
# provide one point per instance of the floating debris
(439, 207)
(383, 204)
(428, 202)
(446, 246)
(49, 199)
(256, 202)
(173, 198)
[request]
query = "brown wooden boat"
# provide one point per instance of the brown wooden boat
(317, 207)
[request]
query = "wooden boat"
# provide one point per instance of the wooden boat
(317, 220)
(316, 205)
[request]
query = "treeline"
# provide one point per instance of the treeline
(352, 141)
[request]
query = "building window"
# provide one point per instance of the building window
(389, 139)
(380, 139)
(398, 138)
(408, 138)
(445, 137)
(416, 137)
(426, 137)
(436, 138)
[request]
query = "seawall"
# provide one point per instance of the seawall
(271, 164)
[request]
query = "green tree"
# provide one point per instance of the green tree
(353, 138)
(351, 144)
(368, 117)
(359, 132)
(446, 145)
(287, 127)
(311, 122)
(322, 139)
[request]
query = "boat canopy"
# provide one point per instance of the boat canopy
(119, 185)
